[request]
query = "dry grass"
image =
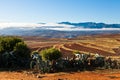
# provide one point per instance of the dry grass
(104, 43)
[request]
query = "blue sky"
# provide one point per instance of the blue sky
(35, 11)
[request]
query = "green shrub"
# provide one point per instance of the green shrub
(51, 54)
(76, 52)
(20, 52)
(8, 43)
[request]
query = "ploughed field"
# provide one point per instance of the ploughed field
(106, 45)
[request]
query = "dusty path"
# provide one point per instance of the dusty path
(16, 76)
(87, 75)
(83, 76)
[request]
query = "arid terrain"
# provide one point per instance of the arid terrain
(86, 75)
(106, 45)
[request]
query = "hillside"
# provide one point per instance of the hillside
(106, 45)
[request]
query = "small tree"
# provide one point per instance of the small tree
(50, 54)
(14, 50)
(8, 43)
(21, 50)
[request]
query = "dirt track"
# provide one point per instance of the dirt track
(15, 76)
(87, 75)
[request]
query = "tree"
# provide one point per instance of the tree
(21, 50)
(8, 43)
(50, 54)
(17, 51)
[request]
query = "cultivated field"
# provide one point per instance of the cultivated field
(106, 45)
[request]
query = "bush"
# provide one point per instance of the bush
(13, 51)
(8, 43)
(21, 50)
(50, 54)
(76, 52)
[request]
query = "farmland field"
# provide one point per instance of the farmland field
(106, 45)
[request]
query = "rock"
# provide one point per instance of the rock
(38, 76)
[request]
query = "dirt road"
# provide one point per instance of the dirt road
(86, 75)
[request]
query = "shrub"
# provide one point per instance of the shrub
(8, 43)
(50, 54)
(21, 50)
(13, 51)
(76, 52)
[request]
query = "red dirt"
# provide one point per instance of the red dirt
(66, 53)
(88, 49)
(87, 75)
(16, 76)
(84, 76)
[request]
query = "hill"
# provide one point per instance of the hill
(59, 30)
(92, 25)
(106, 45)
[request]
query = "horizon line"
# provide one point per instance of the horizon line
(58, 22)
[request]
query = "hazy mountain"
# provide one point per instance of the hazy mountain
(92, 25)
(58, 30)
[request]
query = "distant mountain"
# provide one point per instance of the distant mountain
(92, 25)
(58, 30)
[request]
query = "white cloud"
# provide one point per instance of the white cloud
(8, 25)
(51, 26)
(30, 25)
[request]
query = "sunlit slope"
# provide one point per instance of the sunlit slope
(106, 46)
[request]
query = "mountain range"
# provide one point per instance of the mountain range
(92, 25)
(58, 30)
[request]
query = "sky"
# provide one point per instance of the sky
(46, 11)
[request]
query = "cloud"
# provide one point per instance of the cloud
(30, 25)
(51, 26)
(20, 25)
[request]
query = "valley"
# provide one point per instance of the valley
(106, 45)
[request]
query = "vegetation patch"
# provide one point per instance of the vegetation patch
(14, 53)
(51, 54)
